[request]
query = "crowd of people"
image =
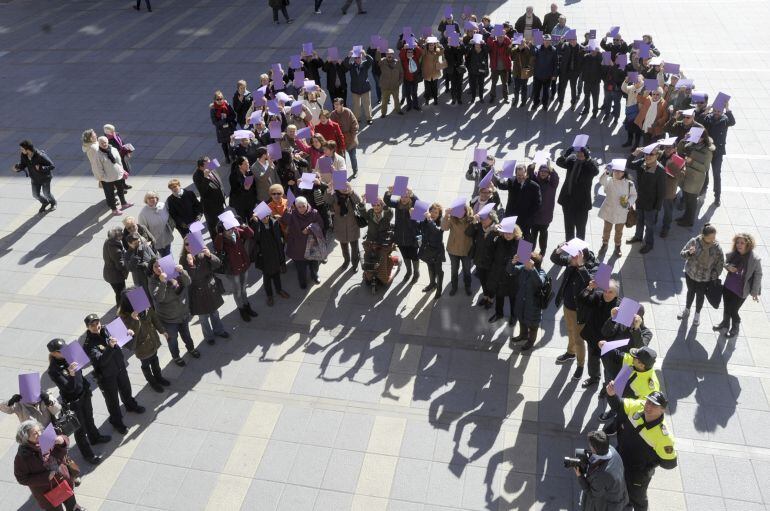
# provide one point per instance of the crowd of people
(289, 194)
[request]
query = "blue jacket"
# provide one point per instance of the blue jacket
(359, 74)
(545, 62)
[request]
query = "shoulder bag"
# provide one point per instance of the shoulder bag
(631, 217)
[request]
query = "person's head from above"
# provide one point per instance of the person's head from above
(29, 432)
(55, 346)
(435, 211)
(534, 261)
(104, 143)
(618, 174)
(654, 406)
(93, 324)
(554, 8)
(133, 241)
(202, 162)
(219, 98)
(330, 148)
(708, 234)
(89, 136)
(485, 193)
(611, 292)
(409, 53)
(562, 21)
(582, 153)
(390, 55)
(323, 117)
(651, 159)
(377, 207)
(264, 79)
(155, 267)
(301, 204)
(643, 358)
(259, 126)
(486, 19)
(656, 94)
(276, 192)
(647, 39)
(245, 142)
(108, 129)
(129, 223)
(743, 243)
(151, 199)
(339, 105)
(291, 131)
(347, 190)
(317, 141)
(406, 198)
(241, 85)
(27, 148)
(176, 187)
(490, 160)
(546, 41)
(521, 172)
(489, 220)
(544, 171)
(599, 443)
(262, 157)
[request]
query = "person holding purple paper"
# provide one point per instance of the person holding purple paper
(155, 218)
(704, 261)
(477, 172)
(146, 326)
(500, 65)
(114, 271)
(744, 278)
(406, 231)
(548, 181)
(524, 198)
(110, 372)
(595, 309)
(347, 208)
(698, 157)
(716, 122)
(477, 63)
(483, 232)
(527, 22)
(183, 206)
(224, 120)
(616, 46)
(391, 79)
(204, 296)
(632, 89)
(243, 101)
(431, 251)
(336, 79)
(38, 166)
(459, 246)
(243, 185)
(44, 409)
(410, 61)
(432, 64)
(619, 198)
(269, 255)
(575, 196)
(502, 282)
(298, 220)
(613, 77)
(522, 65)
(544, 72)
(230, 247)
(358, 65)
(247, 146)
(349, 128)
(652, 117)
(570, 65)
(591, 75)
(651, 189)
(529, 279)
(209, 186)
(331, 132)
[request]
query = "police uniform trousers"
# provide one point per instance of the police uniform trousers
(112, 387)
(87, 433)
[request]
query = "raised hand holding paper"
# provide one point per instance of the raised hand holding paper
(262, 210)
(626, 312)
(290, 198)
(399, 185)
(307, 181)
(275, 129)
(29, 387)
(228, 220)
(621, 380)
(212, 164)
(73, 352)
(603, 275)
(457, 207)
(47, 439)
(372, 193)
(340, 180)
(168, 266)
(611, 345)
(117, 329)
(524, 250)
(197, 245)
(418, 212)
(509, 169)
(479, 155)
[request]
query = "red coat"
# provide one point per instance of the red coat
(238, 260)
(29, 469)
(405, 62)
(501, 50)
(331, 131)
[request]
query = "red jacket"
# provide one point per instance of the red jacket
(331, 131)
(405, 62)
(501, 50)
(237, 256)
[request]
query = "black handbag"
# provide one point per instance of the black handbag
(67, 422)
(714, 292)
(360, 214)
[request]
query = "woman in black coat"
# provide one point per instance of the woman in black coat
(204, 297)
(269, 255)
(223, 118)
(432, 251)
(477, 63)
(405, 231)
(502, 283)
(483, 233)
(243, 188)
(209, 186)
(575, 195)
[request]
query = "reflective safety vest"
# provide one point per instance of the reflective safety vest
(657, 437)
(640, 383)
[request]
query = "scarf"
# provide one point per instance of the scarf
(652, 114)
(412, 66)
(342, 202)
(221, 110)
(108, 152)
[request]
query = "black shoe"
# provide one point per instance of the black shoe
(578, 373)
(683, 223)
(157, 387)
(415, 277)
(120, 428)
(584, 112)
(362, 12)
(603, 248)
(178, 361)
(468, 291)
(518, 338)
(589, 382)
(42, 208)
(407, 275)
(289, 21)
(645, 249)
(527, 345)
(211, 342)
(733, 331)
(631, 241)
(627, 144)
(52, 207)
(717, 202)
(316, 280)
(606, 416)
(245, 314)
(194, 353)
(223, 335)
(137, 409)
(162, 381)
(492, 99)
(251, 311)
(495, 317)
(101, 439)
(534, 106)
(344, 11)
(127, 187)
(430, 287)
(453, 291)
(566, 357)
(721, 326)
(664, 233)
(595, 114)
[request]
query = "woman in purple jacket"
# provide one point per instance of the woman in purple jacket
(298, 221)
(548, 180)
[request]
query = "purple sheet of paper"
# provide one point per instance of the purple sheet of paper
(274, 151)
(382, 45)
(273, 108)
(228, 220)
(603, 275)
(614, 32)
(633, 77)
(447, 11)
(467, 10)
(457, 207)
(259, 99)
(256, 116)
(310, 86)
(411, 42)
(399, 185)
(469, 25)
(571, 35)
(487, 179)
(720, 101)
(644, 51)
(117, 329)
(574, 246)
(626, 312)
(734, 284)
(372, 193)
(282, 97)
(580, 141)
(406, 32)
(524, 250)
(248, 181)
(47, 439)
(296, 108)
(606, 58)
(299, 79)
(340, 179)
(694, 134)
(374, 41)
(419, 210)
(651, 84)
(621, 380)
(537, 37)
(671, 68)
(304, 133)
(295, 62)
(555, 38)
(621, 60)
(195, 239)
(636, 44)
(307, 181)
(426, 31)
(168, 266)
(509, 169)
(593, 44)
(540, 158)
(358, 50)
(498, 30)
(685, 83)
(213, 164)
(73, 352)
(486, 210)
(196, 226)
(332, 53)
(518, 38)
(479, 155)
(307, 48)
(453, 38)
(275, 129)
(612, 345)
(243, 134)
(290, 198)
(262, 210)
(29, 387)
(138, 299)
(277, 70)
(325, 165)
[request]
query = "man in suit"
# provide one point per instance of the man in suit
(209, 187)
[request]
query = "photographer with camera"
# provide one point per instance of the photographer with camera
(644, 441)
(600, 475)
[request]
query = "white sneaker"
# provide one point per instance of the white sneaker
(696, 319)
(684, 314)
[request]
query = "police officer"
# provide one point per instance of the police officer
(75, 394)
(642, 380)
(110, 371)
(644, 441)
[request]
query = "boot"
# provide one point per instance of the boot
(157, 387)
(408, 266)
(439, 285)
(453, 286)
(432, 281)
(416, 265)
(345, 255)
(522, 335)
(355, 256)
(155, 366)
(531, 336)
(244, 314)
(734, 330)
(251, 311)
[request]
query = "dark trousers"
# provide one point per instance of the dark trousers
(349, 249)
(42, 193)
(212, 218)
(110, 188)
(410, 94)
(146, 2)
(175, 330)
(118, 288)
(716, 170)
(539, 233)
(668, 213)
(456, 86)
(573, 93)
(411, 264)
(431, 90)
(302, 269)
(348, 3)
(575, 224)
(591, 92)
(283, 11)
(645, 225)
(435, 272)
(318, 4)
(270, 281)
(732, 303)
(483, 275)
(690, 207)
(501, 75)
(594, 360)
(540, 91)
(637, 482)
(520, 89)
(112, 387)
(476, 83)
(456, 262)
(695, 291)
(611, 105)
(87, 433)
(500, 301)
(226, 151)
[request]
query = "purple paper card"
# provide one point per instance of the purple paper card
(248, 181)
(540, 158)
(195, 239)
(537, 37)
(47, 439)
(295, 62)
(296, 109)
(168, 266)
(299, 79)
(592, 34)
(447, 11)
(498, 30)
(374, 41)
(304, 133)
(406, 32)
(382, 45)
(340, 179)
(644, 51)
(571, 35)
(633, 77)
(720, 101)
(307, 181)
(612, 345)
(279, 84)
(453, 38)
(307, 48)
(518, 38)
(358, 50)
(694, 134)
(621, 380)
(277, 70)
(467, 10)
(636, 44)
(243, 134)
(282, 97)
(426, 32)
(457, 207)
(508, 224)
(117, 329)
(73, 352)
(419, 210)
(555, 38)
(486, 210)
(325, 165)
(626, 312)
(310, 86)
(29, 387)
(671, 68)
(372, 193)
(580, 141)
(332, 53)
(524, 250)
(228, 220)
(274, 151)
(273, 108)
(614, 32)
(275, 129)
(259, 100)
(290, 198)
(262, 210)
(479, 155)
(399, 185)
(606, 58)
(685, 83)
(138, 299)
(509, 169)
(487, 179)
(469, 25)
(603, 275)
(213, 164)
(651, 84)
(621, 60)
(196, 226)
(256, 116)
(593, 44)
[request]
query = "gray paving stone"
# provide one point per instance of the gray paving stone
(354, 432)
(411, 480)
(297, 497)
(263, 495)
(343, 471)
(704, 502)
(162, 487)
(333, 501)
(195, 490)
(132, 482)
(699, 474)
(310, 466)
(277, 461)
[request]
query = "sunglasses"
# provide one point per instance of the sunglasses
(278, 193)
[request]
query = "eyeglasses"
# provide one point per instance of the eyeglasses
(277, 193)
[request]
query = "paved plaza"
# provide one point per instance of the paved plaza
(336, 399)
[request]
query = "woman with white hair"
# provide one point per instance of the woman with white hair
(110, 172)
(40, 471)
(300, 221)
(155, 218)
(652, 117)
(125, 150)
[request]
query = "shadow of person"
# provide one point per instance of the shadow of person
(7, 241)
(679, 381)
(717, 394)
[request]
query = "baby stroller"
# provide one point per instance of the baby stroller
(380, 265)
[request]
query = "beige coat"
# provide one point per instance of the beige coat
(458, 243)
(346, 228)
(349, 126)
(432, 64)
(392, 75)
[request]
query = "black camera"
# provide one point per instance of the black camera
(579, 461)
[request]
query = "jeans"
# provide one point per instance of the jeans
(269, 281)
(645, 226)
(611, 105)
(695, 290)
(501, 75)
(668, 213)
(540, 91)
(362, 101)
(410, 94)
(456, 262)
(386, 95)
(239, 289)
(302, 268)
(175, 330)
(110, 188)
(575, 224)
(283, 11)
(732, 304)
(353, 160)
(211, 324)
(42, 192)
(539, 231)
(591, 91)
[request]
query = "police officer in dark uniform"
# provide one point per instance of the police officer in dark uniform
(110, 372)
(75, 394)
(644, 441)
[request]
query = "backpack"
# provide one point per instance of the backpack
(546, 293)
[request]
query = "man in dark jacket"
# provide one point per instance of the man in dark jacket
(110, 372)
(114, 271)
(570, 64)
(242, 101)
(716, 123)
(575, 194)
(527, 22)
(75, 392)
(651, 190)
(603, 481)
(524, 198)
(591, 74)
(551, 19)
(209, 187)
(596, 308)
(183, 207)
(545, 71)
(613, 78)
(618, 45)
(38, 166)
(358, 65)
(336, 79)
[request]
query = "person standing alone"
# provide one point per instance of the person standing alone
(38, 166)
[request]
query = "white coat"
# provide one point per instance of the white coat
(612, 211)
(157, 221)
(106, 170)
